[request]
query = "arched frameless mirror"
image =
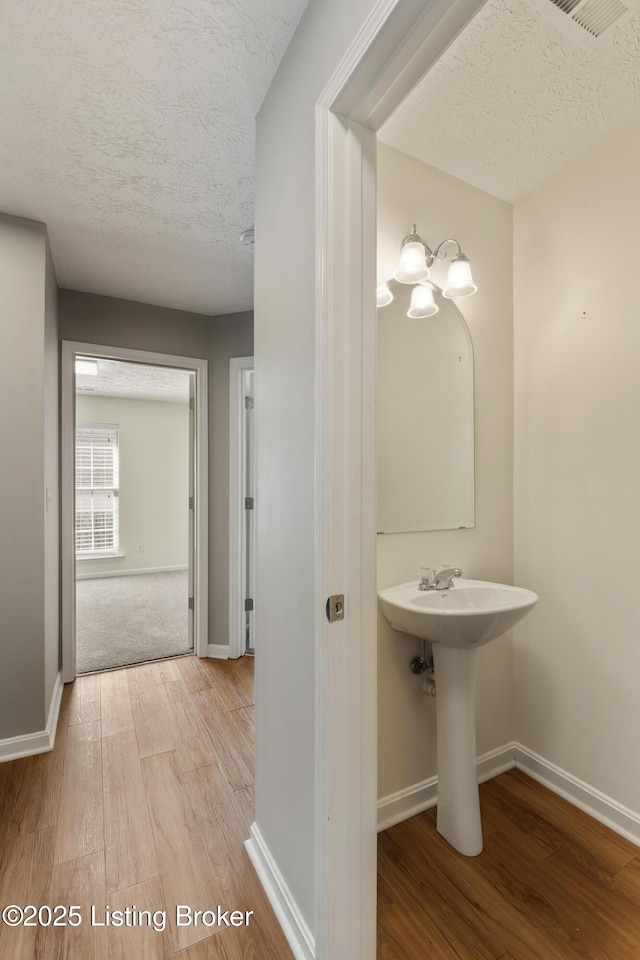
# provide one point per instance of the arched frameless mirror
(425, 432)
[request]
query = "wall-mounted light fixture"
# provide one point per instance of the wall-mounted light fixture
(422, 302)
(384, 295)
(416, 257)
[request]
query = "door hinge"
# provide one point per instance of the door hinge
(248, 606)
(192, 403)
(190, 503)
(335, 607)
(248, 503)
(190, 603)
(248, 403)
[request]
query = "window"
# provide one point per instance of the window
(96, 489)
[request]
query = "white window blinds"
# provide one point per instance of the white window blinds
(96, 489)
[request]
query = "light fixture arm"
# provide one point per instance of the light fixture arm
(414, 237)
(430, 255)
(416, 257)
(440, 254)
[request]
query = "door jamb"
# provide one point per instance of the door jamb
(237, 367)
(398, 43)
(69, 350)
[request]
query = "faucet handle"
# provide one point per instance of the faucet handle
(427, 577)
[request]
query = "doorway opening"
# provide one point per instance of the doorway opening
(133, 486)
(134, 497)
(393, 49)
(242, 508)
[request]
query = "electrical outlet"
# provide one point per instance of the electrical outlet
(141, 548)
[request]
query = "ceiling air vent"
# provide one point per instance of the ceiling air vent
(588, 20)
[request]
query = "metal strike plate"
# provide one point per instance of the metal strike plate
(335, 607)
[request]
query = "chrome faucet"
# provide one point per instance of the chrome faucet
(440, 579)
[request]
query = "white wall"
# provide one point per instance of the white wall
(285, 282)
(29, 633)
(577, 468)
(154, 481)
(409, 192)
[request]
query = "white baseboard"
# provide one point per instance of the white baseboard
(614, 815)
(399, 806)
(40, 742)
(128, 573)
(218, 651)
(421, 796)
(293, 924)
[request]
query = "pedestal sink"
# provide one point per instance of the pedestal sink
(457, 621)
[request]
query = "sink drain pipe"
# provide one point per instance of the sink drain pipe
(425, 665)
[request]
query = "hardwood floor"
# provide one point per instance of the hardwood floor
(145, 801)
(550, 884)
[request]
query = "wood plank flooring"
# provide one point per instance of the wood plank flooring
(550, 884)
(145, 801)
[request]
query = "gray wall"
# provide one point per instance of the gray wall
(90, 318)
(285, 282)
(29, 440)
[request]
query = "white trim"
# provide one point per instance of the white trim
(128, 573)
(13, 748)
(294, 926)
(346, 686)
(412, 800)
(406, 803)
(237, 368)
(400, 41)
(68, 572)
(396, 45)
(614, 815)
(218, 651)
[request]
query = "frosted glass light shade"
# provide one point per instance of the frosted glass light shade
(422, 302)
(413, 264)
(459, 280)
(384, 295)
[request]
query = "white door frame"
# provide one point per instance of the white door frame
(394, 49)
(237, 368)
(70, 350)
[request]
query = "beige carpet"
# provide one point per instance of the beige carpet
(124, 620)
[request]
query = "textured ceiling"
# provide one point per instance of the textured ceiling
(137, 381)
(515, 99)
(127, 127)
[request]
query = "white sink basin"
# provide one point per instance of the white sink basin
(458, 621)
(468, 614)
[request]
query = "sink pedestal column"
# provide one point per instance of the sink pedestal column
(458, 800)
